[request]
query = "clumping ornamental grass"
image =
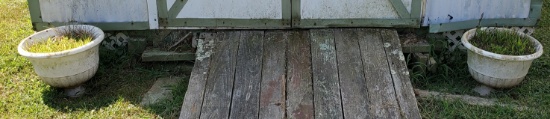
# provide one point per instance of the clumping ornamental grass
(503, 42)
(67, 39)
(57, 44)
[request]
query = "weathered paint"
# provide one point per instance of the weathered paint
(407, 4)
(304, 13)
(153, 14)
(445, 11)
(94, 10)
(237, 9)
(341, 9)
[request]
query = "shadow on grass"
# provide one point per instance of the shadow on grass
(121, 77)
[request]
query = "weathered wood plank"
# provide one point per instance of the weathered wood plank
(350, 71)
(400, 74)
(151, 55)
(272, 96)
(383, 103)
(246, 91)
(326, 87)
(299, 80)
(219, 86)
(194, 96)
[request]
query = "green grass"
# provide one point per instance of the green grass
(502, 42)
(452, 77)
(114, 92)
(57, 44)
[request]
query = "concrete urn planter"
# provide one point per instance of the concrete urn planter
(64, 69)
(497, 70)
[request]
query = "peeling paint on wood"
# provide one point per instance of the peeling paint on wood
(192, 102)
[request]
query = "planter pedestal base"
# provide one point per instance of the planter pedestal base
(74, 92)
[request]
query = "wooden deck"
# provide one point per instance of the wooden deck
(322, 73)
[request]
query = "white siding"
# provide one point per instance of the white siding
(438, 11)
(153, 14)
(94, 10)
(342, 9)
(407, 4)
(238, 9)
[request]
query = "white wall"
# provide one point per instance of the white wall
(94, 10)
(438, 11)
(237, 9)
(341, 9)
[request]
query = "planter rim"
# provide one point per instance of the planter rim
(470, 33)
(98, 34)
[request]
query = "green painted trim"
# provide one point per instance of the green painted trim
(400, 8)
(207, 22)
(286, 11)
(536, 8)
(416, 9)
(102, 26)
(176, 8)
(435, 28)
(323, 23)
(36, 14)
(296, 12)
(162, 9)
(34, 9)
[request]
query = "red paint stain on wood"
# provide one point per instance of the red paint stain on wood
(303, 112)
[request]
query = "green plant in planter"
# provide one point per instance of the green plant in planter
(500, 57)
(64, 56)
(502, 42)
(67, 39)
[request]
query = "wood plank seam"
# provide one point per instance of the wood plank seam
(261, 75)
(248, 73)
(325, 75)
(351, 74)
(197, 80)
(272, 92)
(299, 80)
(337, 71)
(311, 73)
(233, 89)
(383, 95)
(216, 104)
(209, 70)
(392, 76)
(408, 109)
(286, 74)
(362, 68)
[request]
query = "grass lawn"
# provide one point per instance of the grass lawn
(114, 92)
(117, 88)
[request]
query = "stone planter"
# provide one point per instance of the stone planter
(68, 68)
(497, 70)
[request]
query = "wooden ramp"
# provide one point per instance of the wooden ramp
(303, 74)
